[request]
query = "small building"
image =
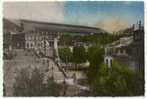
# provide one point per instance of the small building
(108, 61)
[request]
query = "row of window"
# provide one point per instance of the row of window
(39, 45)
(31, 37)
(118, 51)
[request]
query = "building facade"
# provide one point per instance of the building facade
(129, 50)
(40, 41)
(40, 36)
(138, 46)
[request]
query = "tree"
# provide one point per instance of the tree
(66, 39)
(100, 39)
(95, 57)
(117, 81)
(65, 54)
(79, 55)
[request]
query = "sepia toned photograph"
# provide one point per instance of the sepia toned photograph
(73, 49)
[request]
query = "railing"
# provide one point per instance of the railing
(60, 68)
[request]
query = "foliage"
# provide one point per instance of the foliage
(117, 81)
(66, 39)
(95, 57)
(100, 39)
(65, 54)
(79, 55)
(31, 84)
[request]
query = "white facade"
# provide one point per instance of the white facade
(108, 61)
(40, 42)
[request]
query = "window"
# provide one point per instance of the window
(31, 45)
(107, 61)
(121, 50)
(27, 45)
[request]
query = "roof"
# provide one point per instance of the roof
(56, 27)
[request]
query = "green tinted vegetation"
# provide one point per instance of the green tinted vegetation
(95, 57)
(65, 54)
(117, 81)
(66, 39)
(79, 55)
(100, 39)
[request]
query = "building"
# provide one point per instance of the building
(40, 36)
(10, 40)
(9, 29)
(128, 50)
(138, 46)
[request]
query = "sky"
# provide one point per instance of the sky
(110, 16)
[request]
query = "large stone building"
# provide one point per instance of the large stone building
(40, 36)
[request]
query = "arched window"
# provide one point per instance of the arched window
(107, 61)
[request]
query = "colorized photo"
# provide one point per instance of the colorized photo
(73, 48)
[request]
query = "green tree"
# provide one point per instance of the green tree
(117, 81)
(95, 57)
(65, 54)
(66, 39)
(79, 55)
(100, 39)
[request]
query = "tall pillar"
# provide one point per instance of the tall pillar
(56, 49)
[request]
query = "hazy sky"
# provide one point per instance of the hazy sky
(111, 16)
